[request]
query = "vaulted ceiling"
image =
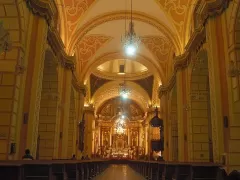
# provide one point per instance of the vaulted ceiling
(92, 29)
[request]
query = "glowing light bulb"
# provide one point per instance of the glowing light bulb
(130, 50)
(125, 95)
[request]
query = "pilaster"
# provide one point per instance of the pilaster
(66, 99)
(89, 130)
(34, 85)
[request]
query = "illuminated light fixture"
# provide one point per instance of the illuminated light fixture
(121, 70)
(130, 41)
(122, 116)
(124, 92)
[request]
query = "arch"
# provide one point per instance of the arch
(111, 90)
(109, 111)
(48, 117)
(118, 55)
(200, 112)
(119, 15)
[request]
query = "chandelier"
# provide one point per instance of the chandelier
(130, 40)
(124, 92)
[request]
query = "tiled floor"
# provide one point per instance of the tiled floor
(119, 172)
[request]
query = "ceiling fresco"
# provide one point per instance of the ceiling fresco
(92, 30)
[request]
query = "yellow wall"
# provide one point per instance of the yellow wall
(38, 100)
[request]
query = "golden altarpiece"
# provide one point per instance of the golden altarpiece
(119, 130)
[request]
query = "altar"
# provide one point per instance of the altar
(119, 132)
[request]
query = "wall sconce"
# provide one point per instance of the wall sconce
(233, 69)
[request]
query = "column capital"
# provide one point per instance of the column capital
(89, 109)
(45, 8)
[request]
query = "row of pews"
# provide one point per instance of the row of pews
(88, 169)
(153, 170)
(51, 170)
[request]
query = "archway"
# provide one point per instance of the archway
(48, 128)
(200, 112)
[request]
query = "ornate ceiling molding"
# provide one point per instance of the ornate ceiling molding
(156, 68)
(111, 90)
(121, 15)
(127, 76)
(46, 9)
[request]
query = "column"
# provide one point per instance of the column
(110, 138)
(146, 138)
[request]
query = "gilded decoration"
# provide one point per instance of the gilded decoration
(113, 106)
(149, 63)
(111, 90)
(88, 46)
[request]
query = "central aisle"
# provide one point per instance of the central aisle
(119, 172)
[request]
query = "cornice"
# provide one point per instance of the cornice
(57, 46)
(206, 9)
(78, 86)
(44, 8)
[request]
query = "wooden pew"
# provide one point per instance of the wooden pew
(50, 170)
(10, 171)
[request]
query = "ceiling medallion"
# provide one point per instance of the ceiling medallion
(130, 40)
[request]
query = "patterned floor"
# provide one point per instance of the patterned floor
(119, 172)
